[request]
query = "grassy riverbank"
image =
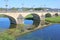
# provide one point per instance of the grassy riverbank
(11, 34)
(53, 19)
(7, 35)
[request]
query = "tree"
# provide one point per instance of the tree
(14, 8)
(38, 8)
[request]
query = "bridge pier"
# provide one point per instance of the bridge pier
(19, 21)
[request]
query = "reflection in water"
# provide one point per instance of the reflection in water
(28, 23)
(4, 23)
(52, 32)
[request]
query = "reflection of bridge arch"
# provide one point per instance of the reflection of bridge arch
(35, 18)
(12, 20)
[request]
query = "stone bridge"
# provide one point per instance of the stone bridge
(18, 17)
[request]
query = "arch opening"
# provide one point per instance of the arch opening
(12, 21)
(56, 14)
(34, 18)
(47, 15)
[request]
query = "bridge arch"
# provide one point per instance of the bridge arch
(48, 15)
(12, 20)
(56, 14)
(35, 17)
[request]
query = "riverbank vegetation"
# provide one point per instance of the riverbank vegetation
(53, 19)
(11, 34)
(7, 35)
(29, 16)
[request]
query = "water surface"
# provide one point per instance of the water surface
(51, 32)
(4, 24)
(28, 22)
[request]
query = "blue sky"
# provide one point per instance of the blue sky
(31, 3)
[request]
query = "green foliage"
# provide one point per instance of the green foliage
(53, 19)
(29, 16)
(25, 9)
(56, 14)
(48, 15)
(14, 8)
(21, 27)
(38, 8)
(6, 36)
(10, 34)
(2, 16)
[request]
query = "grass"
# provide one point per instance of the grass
(29, 16)
(11, 34)
(3, 16)
(7, 35)
(53, 19)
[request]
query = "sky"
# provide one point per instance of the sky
(30, 3)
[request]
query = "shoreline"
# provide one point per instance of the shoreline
(28, 31)
(15, 33)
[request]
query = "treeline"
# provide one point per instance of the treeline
(22, 8)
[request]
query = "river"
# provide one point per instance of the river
(51, 32)
(5, 23)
